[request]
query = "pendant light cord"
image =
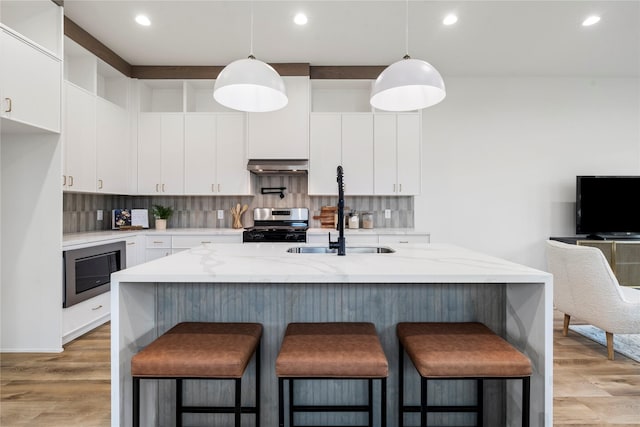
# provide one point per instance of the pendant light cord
(251, 34)
(406, 34)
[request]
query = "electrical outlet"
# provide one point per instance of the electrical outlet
(387, 214)
(220, 214)
(100, 215)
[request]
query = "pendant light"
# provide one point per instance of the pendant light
(250, 84)
(409, 84)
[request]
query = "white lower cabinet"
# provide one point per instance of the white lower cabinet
(157, 247)
(391, 239)
(85, 316)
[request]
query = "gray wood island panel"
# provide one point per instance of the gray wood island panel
(145, 306)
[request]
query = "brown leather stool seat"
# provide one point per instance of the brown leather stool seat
(201, 350)
(458, 351)
(340, 350)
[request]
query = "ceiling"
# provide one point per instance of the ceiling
(491, 38)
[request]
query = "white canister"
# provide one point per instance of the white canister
(354, 222)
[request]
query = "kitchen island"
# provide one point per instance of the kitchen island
(264, 283)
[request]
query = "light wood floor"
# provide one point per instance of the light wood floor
(72, 388)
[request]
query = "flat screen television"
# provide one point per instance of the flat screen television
(608, 206)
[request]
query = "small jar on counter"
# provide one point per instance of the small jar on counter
(367, 220)
(354, 221)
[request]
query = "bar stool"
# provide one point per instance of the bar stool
(199, 350)
(331, 351)
(459, 351)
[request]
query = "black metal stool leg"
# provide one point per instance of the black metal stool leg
(257, 424)
(400, 385)
(291, 381)
(480, 401)
(281, 402)
(370, 400)
(178, 402)
(526, 395)
(423, 402)
(383, 402)
(136, 402)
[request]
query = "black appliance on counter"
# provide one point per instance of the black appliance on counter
(278, 225)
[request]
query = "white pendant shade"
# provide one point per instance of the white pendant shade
(250, 85)
(406, 85)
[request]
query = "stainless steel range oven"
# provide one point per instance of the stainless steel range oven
(87, 271)
(278, 225)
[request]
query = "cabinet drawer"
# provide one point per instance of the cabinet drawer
(82, 317)
(158, 241)
(389, 239)
(186, 242)
(357, 239)
(155, 253)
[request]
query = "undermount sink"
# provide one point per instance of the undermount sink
(349, 250)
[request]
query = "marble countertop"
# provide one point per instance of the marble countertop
(271, 263)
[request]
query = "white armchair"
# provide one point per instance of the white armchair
(585, 287)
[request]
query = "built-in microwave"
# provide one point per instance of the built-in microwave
(87, 271)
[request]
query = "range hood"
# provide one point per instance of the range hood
(278, 166)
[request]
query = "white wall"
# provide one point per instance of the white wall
(500, 157)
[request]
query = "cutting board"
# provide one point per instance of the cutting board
(327, 217)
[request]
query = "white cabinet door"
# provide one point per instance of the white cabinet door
(161, 153)
(215, 154)
(325, 152)
(79, 140)
(283, 134)
(385, 157)
(133, 249)
(357, 153)
(30, 84)
(409, 155)
(397, 154)
(231, 155)
(112, 148)
(200, 153)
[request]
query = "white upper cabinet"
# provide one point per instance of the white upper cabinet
(161, 153)
(283, 134)
(341, 139)
(79, 140)
(97, 145)
(30, 84)
(215, 154)
(31, 71)
(397, 154)
(325, 153)
(113, 166)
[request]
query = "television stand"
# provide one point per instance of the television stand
(613, 237)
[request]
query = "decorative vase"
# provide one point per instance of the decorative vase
(161, 224)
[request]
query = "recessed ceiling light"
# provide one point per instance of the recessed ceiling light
(143, 20)
(593, 19)
(300, 19)
(450, 19)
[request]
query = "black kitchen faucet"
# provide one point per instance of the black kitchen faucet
(340, 244)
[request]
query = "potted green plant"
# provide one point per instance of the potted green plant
(162, 214)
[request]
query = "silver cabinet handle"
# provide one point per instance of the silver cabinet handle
(163, 188)
(70, 180)
(157, 186)
(9, 105)
(218, 188)
(394, 188)
(99, 184)
(213, 188)
(97, 308)
(131, 243)
(157, 241)
(400, 188)
(205, 241)
(403, 241)
(64, 180)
